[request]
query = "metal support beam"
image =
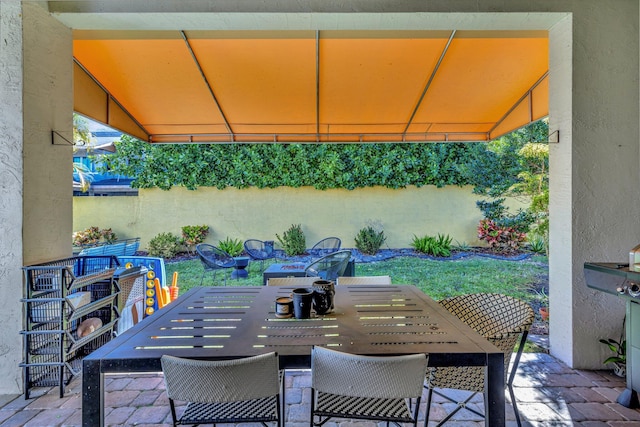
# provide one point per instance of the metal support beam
(206, 81)
(318, 85)
(433, 75)
(522, 98)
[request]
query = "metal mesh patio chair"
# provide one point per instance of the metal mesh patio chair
(502, 320)
(325, 247)
(228, 391)
(214, 259)
(329, 267)
(363, 280)
(259, 250)
(380, 388)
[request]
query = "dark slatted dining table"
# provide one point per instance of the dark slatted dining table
(232, 322)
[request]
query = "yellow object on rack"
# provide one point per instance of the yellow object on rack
(159, 293)
(173, 291)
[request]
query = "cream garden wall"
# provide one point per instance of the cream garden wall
(261, 213)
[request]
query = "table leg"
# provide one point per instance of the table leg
(494, 385)
(92, 394)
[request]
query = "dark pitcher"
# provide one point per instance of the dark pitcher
(323, 293)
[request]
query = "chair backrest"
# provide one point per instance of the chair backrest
(329, 267)
(367, 376)
(209, 381)
(257, 249)
(296, 282)
(326, 246)
(132, 248)
(363, 280)
(501, 319)
(214, 257)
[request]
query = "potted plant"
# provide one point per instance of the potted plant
(619, 361)
(544, 313)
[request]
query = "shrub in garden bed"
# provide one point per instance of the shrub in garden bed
(439, 246)
(165, 245)
(293, 240)
(369, 240)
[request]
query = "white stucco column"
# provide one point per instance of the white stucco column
(36, 97)
(11, 131)
(594, 187)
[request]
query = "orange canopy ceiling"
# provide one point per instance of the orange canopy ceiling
(308, 86)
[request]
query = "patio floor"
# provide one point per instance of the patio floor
(548, 393)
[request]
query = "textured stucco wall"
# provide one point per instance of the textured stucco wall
(594, 102)
(10, 195)
(36, 200)
(48, 105)
(595, 193)
(256, 213)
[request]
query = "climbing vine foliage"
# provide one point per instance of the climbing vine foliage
(322, 166)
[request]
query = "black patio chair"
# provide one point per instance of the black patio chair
(214, 259)
(329, 267)
(260, 250)
(325, 246)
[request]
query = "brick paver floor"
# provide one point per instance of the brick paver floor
(548, 394)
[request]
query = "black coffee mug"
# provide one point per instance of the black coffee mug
(323, 295)
(302, 300)
(322, 301)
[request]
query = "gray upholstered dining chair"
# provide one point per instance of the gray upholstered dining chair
(504, 321)
(297, 282)
(378, 388)
(247, 390)
(363, 280)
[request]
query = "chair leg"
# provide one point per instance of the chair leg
(215, 273)
(428, 410)
(313, 407)
(174, 420)
(515, 406)
(512, 376)
(284, 399)
(202, 277)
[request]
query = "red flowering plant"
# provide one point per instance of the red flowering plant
(499, 237)
(193, 235)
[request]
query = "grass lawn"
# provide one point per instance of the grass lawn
(525, 279)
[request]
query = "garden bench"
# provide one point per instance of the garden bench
(126, 247)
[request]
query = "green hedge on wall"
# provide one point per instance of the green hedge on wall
(322, 166)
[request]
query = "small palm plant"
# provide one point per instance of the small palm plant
(619, 360)
(84, 174)
(231, 246)
(82, 137)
